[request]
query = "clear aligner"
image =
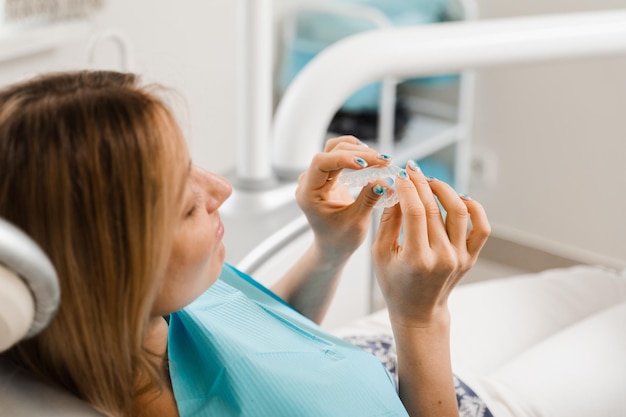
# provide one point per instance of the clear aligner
(362, 177)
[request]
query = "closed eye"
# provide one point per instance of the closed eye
(192, 209)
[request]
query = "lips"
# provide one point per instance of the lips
(219, 233)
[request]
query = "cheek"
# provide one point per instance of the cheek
(204, 258)
(197, 267)
(195, 264)
(195, 251)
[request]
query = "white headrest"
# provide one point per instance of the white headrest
(29, 288)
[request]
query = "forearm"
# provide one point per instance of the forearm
(310, 284)
(424, 370)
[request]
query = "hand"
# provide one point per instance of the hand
(339, 221)
(417, 276)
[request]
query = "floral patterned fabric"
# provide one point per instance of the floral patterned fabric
(382, 346)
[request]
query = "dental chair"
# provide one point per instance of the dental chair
(29, 298)
(564, 330)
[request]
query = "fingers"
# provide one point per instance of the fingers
(437, 235)
(413, 214)
(418, 211)
(368, 197)
(423, 223)
(459, 210)
(481, 229)
(345, 152)
(456, 212)
(388, 234)
(332, 143)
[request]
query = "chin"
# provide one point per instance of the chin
(214, 266)
(222, 252)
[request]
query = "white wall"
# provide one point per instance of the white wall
(188, 45)
(559, 134)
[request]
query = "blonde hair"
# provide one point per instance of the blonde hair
(91, 167)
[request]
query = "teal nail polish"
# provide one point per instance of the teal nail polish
(431, 179)
(379, 189)
(384, 157)
(413, 165)
(465, 196)
(403, 175)
(363, 144)
(361, 162)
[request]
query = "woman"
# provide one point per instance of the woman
(94, 167)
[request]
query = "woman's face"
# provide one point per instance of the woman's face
(197, 251)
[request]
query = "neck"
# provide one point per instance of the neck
(158, 402)
(156, 337)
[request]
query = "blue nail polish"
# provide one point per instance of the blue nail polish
(379, 189)
(431, 179)
(361, 162)
(465, 196)
(363, 144)
(403, 175)
(384, 157)
(413, 165)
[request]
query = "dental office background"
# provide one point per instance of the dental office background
(549, 139)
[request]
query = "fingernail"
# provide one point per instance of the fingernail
(465, 196)
(403, 175)
(431, 179)
(413, 165)
(363, 144)
(361, 162)
(378, 189)
(384, 157)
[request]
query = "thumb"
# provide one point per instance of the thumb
(388, 232)
(368, 197)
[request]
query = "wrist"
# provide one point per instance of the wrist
(330, 256)
(433, 320)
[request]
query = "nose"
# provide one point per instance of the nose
(221, 186)
(217, 188)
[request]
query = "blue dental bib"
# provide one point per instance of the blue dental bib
(239, 350)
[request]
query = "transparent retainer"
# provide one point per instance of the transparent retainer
(362, 177)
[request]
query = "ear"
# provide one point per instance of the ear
(29, 287)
